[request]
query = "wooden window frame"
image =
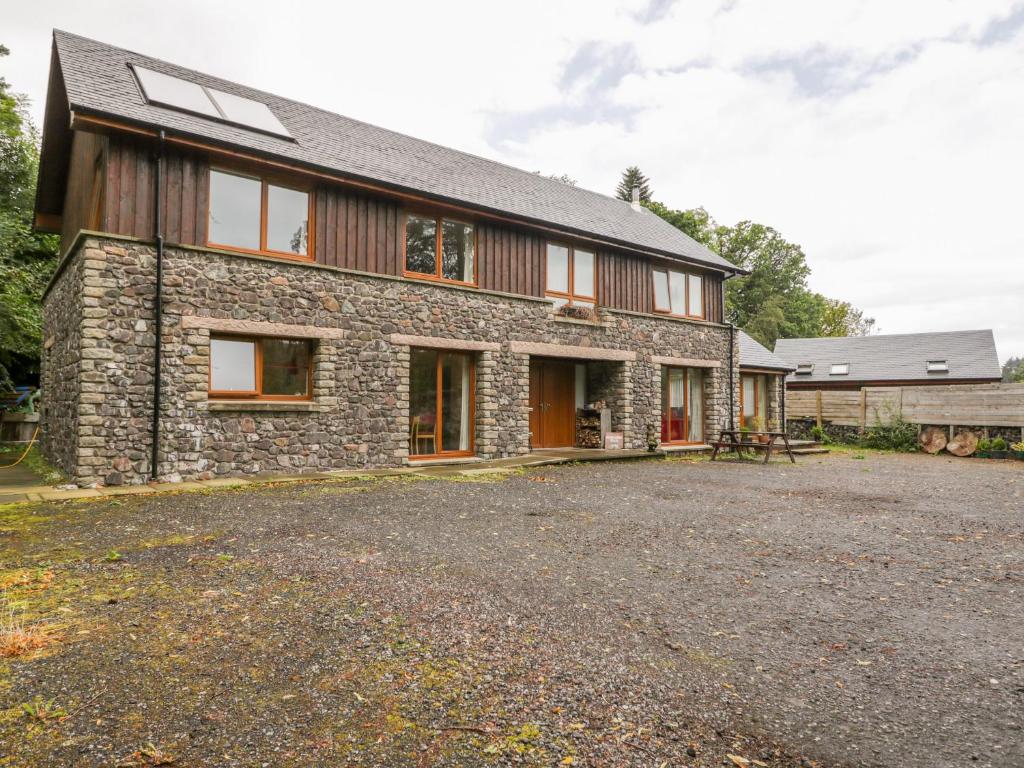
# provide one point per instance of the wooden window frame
(686, 404)
(757, 398)
(257, 394)
(439, 220)
(439, 416)
(686, 294)
(571, 296)
(266, 181)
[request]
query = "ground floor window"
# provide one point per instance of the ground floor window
(682, 405)
(263, 368)
(440, 402)
(754, 402)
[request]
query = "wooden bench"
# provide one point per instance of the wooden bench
(727, 439)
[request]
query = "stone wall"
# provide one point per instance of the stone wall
(358, 416)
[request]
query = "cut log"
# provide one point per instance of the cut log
(932, 440)
(963, 443)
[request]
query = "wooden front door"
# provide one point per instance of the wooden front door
(552, 403)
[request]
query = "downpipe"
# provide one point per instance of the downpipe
(158, 305)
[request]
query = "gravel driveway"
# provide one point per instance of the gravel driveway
(861, 610)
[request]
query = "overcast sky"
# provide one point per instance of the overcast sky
(885, 137)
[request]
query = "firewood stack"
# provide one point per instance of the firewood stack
(588, 428)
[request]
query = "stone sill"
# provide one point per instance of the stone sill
(454, 461)
(577, 321)
(264, 406)
(696, 448)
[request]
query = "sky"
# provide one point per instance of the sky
(886, 138)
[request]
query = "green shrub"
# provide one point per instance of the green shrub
(984, 445)
(999, 444)
(897, 435)
(820, 435)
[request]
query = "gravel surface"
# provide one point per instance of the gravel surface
(854, 609)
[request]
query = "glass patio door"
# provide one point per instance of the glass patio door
(440, 403)
(682, 409)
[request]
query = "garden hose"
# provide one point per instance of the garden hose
(27, 449)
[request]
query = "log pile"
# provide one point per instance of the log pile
(588, 428)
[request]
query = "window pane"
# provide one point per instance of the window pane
(749, 403)
(232, 365)
(661, 301)
(422, 402)
(287, 220)
(695, 401)
(558, 268)
(455, 399)
(583, 273)
(696, 296)
(421, 245)
(175, 92)
(234, 210)
(285, 367)
(457, 251)
(255, 114)
(677, 292)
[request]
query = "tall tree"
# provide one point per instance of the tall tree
(841, 318)
(1013, 370)
(633, 177)
(27, 259)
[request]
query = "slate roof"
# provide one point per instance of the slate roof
(895, 357)
(754, 355)
(99, 82)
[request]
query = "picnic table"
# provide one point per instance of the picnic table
(733, 439)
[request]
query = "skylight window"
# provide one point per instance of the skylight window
(244, 111)
(938, 366)
(805, 369)
(169, 91)
(839, 369)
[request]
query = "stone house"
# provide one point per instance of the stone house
(266, 286)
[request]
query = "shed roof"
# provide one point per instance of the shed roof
(98, 82)
(755, 355)
(895, 357)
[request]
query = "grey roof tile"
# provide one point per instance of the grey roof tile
(754, 355)
(99, 81)
(895, 357)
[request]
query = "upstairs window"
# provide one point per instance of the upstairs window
(938, 366)
(439, 248)
(839, 369)
(678, 293)
(252, 214)
(571, 275)
(271, 369)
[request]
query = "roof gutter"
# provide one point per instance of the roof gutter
(99, 121)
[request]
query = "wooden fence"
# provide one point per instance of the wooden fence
(976, 405)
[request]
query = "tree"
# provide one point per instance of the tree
(696, 222)
(1013, 370)
(633, 177)
(565, 178)
(841, 318)
(27, 259)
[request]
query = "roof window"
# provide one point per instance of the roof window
(169, 91)
(805, 369)
(937, 366)
(839, 369)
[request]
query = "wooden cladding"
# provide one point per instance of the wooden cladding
(510, 260)
(358, 232)
(112, 188)
(130, 188)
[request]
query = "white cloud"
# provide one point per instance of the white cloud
(884, 137)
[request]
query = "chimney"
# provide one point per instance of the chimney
(636, 199)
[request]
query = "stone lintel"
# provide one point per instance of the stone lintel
(259, 328)
(685, 362)
(543, 349)
(438, 342)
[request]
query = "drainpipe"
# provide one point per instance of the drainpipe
(783, 408)
(158, 305)
(732, 382)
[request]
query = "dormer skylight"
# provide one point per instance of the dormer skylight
(839, 369)
(805, 369)
(937, 366)
(169, 91)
